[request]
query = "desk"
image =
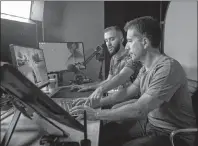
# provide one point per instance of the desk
(28, 132)
(66, 93)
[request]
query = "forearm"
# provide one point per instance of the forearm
(114, 98)
(94, 85)
(117, 80)
(114, 82)
(122, 95)
(128, 102)
(103, 83)
(129, 111)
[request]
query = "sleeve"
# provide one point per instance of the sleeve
(133, 64)
(165, 81)
(136, 82)
(111, 66)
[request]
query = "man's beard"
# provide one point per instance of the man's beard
(117, 48)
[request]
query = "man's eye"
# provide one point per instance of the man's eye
(112, 39)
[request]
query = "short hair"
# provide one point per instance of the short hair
(116, 28)
(147, 26)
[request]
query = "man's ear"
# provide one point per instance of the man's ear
(146, 42)
(122, 40)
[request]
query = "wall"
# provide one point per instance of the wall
(52, 20)
(180, 40)
(84, 22)
(16, 31)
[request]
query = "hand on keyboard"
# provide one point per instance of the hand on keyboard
(91, 113)
(94, 103)
(80, 101)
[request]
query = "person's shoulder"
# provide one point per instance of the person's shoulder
(169, 62)
(171, 66)
(112, 58)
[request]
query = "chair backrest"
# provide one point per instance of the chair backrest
(195, 108)
(193, 91)
(195, 103)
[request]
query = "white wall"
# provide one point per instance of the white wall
(84, 22)
(180, 40)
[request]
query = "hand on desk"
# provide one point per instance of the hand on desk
(79, 88)
(91, 113)
(75, 87)
(85, 88)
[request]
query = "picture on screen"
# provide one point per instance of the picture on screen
(31, 63)
(76, 54)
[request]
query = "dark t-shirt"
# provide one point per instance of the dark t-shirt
(135, 66)
(117, 64)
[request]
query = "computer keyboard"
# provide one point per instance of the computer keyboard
(66, 104)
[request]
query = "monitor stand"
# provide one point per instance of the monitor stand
(10, 131)
(15, 119)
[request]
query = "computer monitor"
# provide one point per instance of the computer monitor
(23, 90)
(64, 54)
(30, 62)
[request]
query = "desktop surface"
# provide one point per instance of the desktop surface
(66, 93)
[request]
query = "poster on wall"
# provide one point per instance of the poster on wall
(59, 56)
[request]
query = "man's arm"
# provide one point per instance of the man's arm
(100, 83)
(121, 95)
(124, 103)
(163, 85)
(131, 68)
(117, 80)
(137, 110)
(94, 86)
(103, 82)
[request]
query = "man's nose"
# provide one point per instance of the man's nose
(109, 43)
(127, 47)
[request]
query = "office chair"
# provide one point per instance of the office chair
(189, 130)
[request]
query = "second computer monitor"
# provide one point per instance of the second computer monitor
(31, 63)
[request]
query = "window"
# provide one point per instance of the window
(16, 8)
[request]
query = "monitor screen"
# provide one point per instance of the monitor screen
(63, 54)
(30, 62)
(23, 90)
